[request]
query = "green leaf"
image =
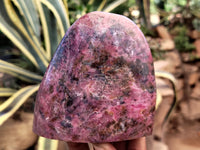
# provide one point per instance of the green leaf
(87, 7)
(20, 73)
(113, 5)
(4, 92)
(47, 144)
(10, 106)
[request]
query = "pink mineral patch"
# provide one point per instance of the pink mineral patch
(100, 85)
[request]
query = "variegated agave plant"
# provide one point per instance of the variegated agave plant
(21, 21)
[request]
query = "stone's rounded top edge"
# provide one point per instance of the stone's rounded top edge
(108, 13)
(102, 12)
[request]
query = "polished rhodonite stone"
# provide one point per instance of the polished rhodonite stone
(100, 85)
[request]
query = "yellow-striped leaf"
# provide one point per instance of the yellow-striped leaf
(113, 5)
(47, 144)
(30, 18)
(166, 75)
(10, 106)
(21, 22)
(101, 6)
(158, 99)
(50, 23)
(51, 36)
(67, 12)
(19, 72)
(16, 39)
(90, 2)
(5, 92)
(172, 79)
(58, 9)
(14, 28)
(29, 12)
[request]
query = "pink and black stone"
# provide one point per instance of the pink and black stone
(100, 84)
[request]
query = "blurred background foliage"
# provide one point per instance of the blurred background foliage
(30, 32)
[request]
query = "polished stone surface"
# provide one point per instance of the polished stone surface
(100, 85)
